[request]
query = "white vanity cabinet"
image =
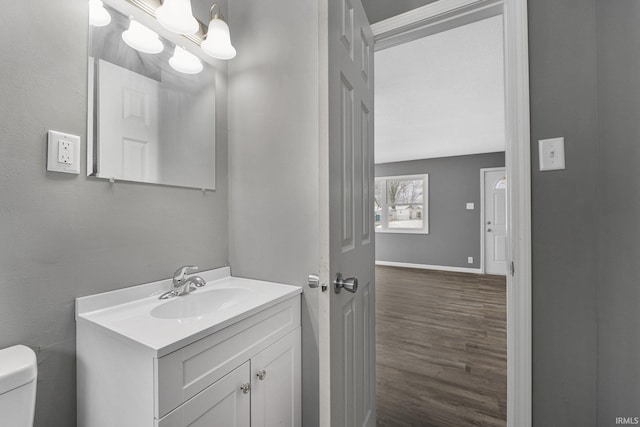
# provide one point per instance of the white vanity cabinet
(262, 392)
(241, 368)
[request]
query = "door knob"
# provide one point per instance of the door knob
(489, 230)
(349, 284)
(313, 281)
(261, 375)
(489, 222)
(245, 388)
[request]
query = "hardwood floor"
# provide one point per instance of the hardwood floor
(441, 348)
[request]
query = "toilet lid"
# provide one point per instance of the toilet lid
(18, 366)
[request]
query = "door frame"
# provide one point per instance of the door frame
(482, 213)
(446, 14)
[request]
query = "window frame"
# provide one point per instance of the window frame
(385, 207)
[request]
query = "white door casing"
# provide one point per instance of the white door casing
(347, 320)
(494, 220)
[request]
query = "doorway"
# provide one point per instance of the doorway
(448, 14)
(441, 322)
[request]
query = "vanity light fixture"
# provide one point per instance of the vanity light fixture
(185, 61)
(142, 38)
(177, 16)
(217, 42)
(98, 15)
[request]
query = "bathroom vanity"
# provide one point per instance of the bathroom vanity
(228, 354)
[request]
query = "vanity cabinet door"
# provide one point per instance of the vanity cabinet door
(183, 374)
(226, 403)
(276, 384)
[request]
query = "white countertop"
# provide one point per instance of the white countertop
(126, 313)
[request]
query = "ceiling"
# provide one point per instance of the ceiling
(379, 10)
(442, 95)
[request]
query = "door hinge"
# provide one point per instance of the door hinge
(512, 268)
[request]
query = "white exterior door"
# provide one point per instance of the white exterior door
(347, 322)
(495, 221)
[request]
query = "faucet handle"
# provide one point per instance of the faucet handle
(178, 276)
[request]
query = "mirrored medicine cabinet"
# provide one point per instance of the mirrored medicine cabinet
(148, 122)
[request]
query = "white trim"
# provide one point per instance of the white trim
(401, 231)
(415, 16)
(482, 213)
(429, 267)
(431, 19)
(518, 171)
(90, 108)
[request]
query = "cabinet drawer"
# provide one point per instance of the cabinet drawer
(221, 404)
(186, 372)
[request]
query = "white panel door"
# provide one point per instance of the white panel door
(224, 403)
(128, 147)
(347, 371)
(276, 397)
(495, 222)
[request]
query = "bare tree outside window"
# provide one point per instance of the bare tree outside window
(400, 203)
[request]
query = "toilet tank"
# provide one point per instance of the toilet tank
(18, 373)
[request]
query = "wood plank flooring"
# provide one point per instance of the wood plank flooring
(441, 348)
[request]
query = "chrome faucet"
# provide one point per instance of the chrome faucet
(181, 273)
(190, 284)
(183, 285)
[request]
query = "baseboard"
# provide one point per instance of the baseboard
(430, 267)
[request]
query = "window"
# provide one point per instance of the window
(401, 204)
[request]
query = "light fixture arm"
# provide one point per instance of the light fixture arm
(218, 14)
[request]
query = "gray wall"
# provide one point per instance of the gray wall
(273, 157)
(563, 103)
(618, 35)
(65, 236)
(454, 231)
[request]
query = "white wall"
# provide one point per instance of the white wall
(273, 157)
(441, 95)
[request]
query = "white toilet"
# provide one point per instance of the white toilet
(18, 373)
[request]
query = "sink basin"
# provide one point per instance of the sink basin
(200, 303)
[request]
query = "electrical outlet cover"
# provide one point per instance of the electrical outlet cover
(63, 152)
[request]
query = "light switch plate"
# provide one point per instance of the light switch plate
(470, 260)
(63, 152)
(471, 206)
(551, 154)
